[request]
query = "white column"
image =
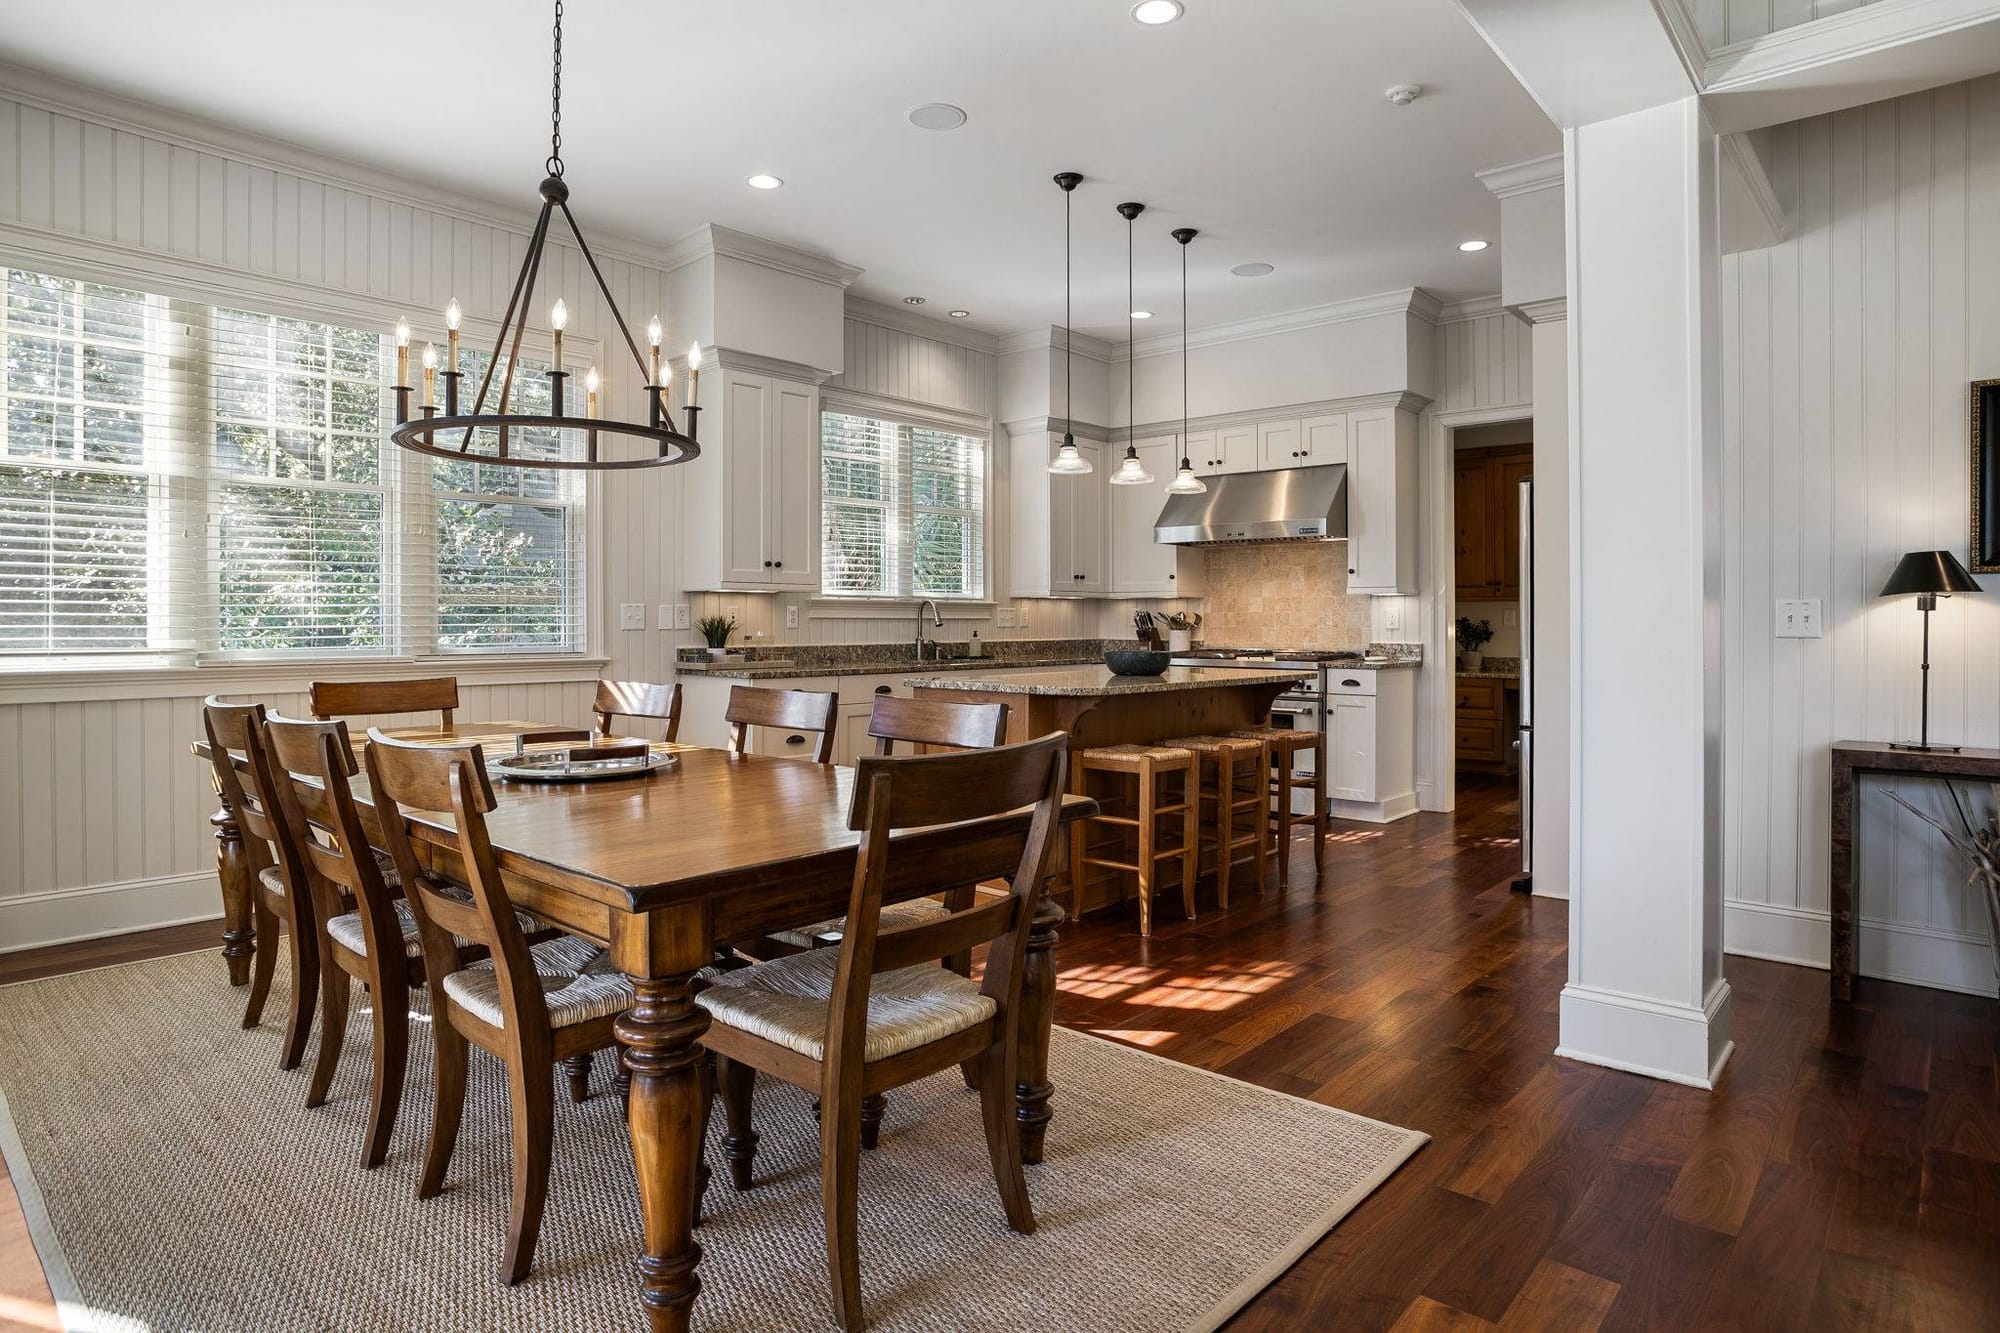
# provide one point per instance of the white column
(1646, 991)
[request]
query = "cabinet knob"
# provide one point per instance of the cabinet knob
(1170, 578)
(767, 564)
(777, 564)
(1352, 570)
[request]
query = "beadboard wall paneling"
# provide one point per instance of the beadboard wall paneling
(1846, 354)
(893, 363)
(1722, 22)
(1484, 361)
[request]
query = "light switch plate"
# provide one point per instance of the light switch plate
(1799, 618)
(663, 615)
(792, 616)
(632, 615)
(1006, 615)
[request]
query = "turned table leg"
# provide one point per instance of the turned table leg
(1038, 1010)
(659, 1036)
(239, 937)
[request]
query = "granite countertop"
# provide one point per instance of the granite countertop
(1101, 681)
(1492, 673)
(885, 667)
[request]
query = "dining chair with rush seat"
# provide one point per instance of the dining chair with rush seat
(528, 1006)
(878, 1012)
(802, 714)
(274, 870)
(375, 698)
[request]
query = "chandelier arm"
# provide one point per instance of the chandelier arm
(521, 323)
(485, 380)
(609, 302)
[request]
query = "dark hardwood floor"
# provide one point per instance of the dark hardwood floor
(1846, 1173)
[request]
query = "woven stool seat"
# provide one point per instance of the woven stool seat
(1144, 790)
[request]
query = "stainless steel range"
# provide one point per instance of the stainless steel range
(1301, 709)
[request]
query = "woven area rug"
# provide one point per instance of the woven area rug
(174, 1180)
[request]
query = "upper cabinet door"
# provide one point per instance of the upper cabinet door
(1280, 444)
(746, 435)
(1510, 472)
(1323, 440)
(791, 473)
(1474, 545)
(1381, 501)
(1236, 449)
(1141, 566)
(1200, 453)
(1087, 497)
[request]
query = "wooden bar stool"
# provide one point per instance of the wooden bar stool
(1234, 783)
(1142, 800)
(1286, 745)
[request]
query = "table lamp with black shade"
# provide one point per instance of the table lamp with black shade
(1930, 575)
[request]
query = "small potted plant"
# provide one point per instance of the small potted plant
(716, 631)
(1473, 635)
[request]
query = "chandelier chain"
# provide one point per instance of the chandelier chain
(555, 162)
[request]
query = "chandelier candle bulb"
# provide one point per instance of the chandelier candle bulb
(402, 353)
(653, 335)
(558, 319)
(694, 373)
(451, 320)
(430, 375)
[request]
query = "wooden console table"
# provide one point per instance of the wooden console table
(1851, 759)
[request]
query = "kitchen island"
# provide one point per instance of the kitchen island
(1093, 706)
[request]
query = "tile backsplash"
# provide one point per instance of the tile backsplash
(1285, 595)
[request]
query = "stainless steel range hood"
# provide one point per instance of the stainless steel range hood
(1297, 504)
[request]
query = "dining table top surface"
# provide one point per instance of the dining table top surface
(707, 821)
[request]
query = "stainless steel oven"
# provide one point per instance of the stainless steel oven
(1302, 712)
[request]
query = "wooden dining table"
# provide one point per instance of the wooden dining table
(665, 868)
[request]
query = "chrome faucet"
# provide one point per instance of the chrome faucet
(937, 621)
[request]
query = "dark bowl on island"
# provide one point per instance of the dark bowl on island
(1137, 661)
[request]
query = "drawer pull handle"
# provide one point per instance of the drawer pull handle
(881, 689)
(795, 740)
(1351, 682)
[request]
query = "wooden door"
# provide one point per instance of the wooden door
(1509, 472)
(1474, 545)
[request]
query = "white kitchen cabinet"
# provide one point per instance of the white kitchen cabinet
(1382, 501)
(1323, 440)
(1371, 744)
(1280, 444)
(1141, 566)
(1058, 521)
(753, 493)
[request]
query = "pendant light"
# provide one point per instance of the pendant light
(1131, 472)
(1067, 461)
(1185, 482)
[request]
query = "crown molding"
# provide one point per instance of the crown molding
(1405, 301)
(148, 120)
(1085, 430)
(1055, 339)
(713, 240)
(1544, 312)
(1399, 399)
(920, 326)
(1837, 37)
(1518, 178)
(1476, 307)
(733, 358)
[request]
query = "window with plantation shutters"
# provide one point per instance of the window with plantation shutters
(902, 509)
(196, 481)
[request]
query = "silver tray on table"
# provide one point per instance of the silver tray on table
(580, 763)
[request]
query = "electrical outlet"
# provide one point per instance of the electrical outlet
(734, 611)
(680, 615)
(1799, 618)
(1393, 618)
(1510, 615)
(632, 615)
(792, 616)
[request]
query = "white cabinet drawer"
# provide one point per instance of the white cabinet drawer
(1352, 682)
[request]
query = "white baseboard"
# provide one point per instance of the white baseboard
(1374, 812)
(1678, 1043)
(1889, 950)
(33, 920)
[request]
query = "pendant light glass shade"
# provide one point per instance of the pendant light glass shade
(1131, 472)
(1185, 482)
(1067, 462)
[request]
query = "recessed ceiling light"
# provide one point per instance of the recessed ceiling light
(765, 181)
(913, 300)
(937, 116)
(1157, 11)
(1142, 314)
(960, 314)
(1251, 270)
(1472, 247)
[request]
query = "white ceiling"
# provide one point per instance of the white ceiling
(1261, 122)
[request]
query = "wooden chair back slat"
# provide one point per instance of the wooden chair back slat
(935, 722)
(926, 790)
(403, 775)
(552, 737)
(638, 698)
(789, 710)
(355, 698)
(241, 775)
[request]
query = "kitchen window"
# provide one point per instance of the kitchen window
(902, 509)
(213, 482)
